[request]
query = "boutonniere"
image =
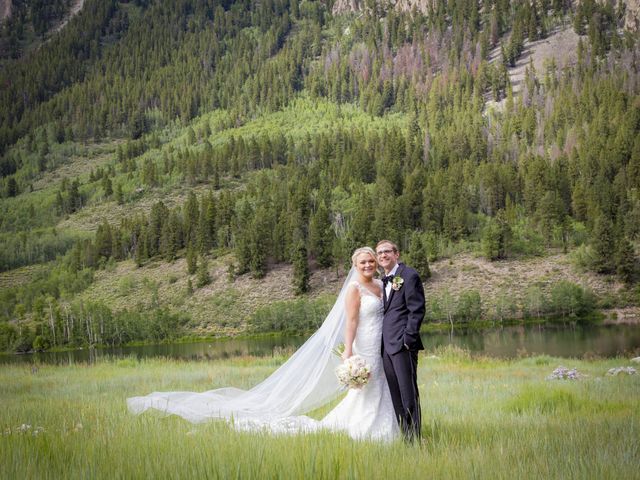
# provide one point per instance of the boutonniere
(397, 283)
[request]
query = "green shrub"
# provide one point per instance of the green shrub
(535, 302)
(126, 285)
(469, 306)
(569, 299)
(24, 340)
(583, 257)
(526, 240)
(8, 336)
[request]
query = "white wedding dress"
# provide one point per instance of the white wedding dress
(367, 413)
(305, 382)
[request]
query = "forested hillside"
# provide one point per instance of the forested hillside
(238, 138)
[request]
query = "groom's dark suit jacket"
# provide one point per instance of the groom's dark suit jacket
(403, 313)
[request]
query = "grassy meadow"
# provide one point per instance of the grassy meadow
(483, 418)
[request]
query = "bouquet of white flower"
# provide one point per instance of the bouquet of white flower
(354, 372)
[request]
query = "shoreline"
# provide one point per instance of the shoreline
(627, 316)
(621, 316)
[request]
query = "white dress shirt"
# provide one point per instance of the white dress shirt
(387, 289)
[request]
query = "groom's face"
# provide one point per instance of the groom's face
(387, 256)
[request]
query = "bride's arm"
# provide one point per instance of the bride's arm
(352, 310)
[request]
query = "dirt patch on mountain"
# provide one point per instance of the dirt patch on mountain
(5, 9)
(560, 47)
(512, 278)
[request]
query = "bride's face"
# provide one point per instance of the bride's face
(366, 265)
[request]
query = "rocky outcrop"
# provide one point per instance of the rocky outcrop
(5, 9)
(354, 6)
(632, 15)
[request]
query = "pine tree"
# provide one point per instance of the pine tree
(242, 236)
(107, 186)
(168, 244)
(104, 240)
(625, 260)
(419, 255)
(301, 272)
(191, 217)
(192, 260)
(603, 244)
(259, 244)
(191, 136)
(320, 235)
(203, 278)
(141, 247)
(496, 237)
(118, 194)
(205, 227)
(157, 218)
(12, 187)
(74, 199)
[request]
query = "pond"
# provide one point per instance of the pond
(507, 342)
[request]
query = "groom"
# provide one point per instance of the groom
(404, 310)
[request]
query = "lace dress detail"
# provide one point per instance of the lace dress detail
(367, 413)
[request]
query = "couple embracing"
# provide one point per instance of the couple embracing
(378, 320)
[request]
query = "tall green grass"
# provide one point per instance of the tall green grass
(481, 419)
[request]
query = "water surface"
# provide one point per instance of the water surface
(571, 341)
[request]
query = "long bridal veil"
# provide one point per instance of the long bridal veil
(304, 382)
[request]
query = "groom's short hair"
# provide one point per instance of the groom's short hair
(395, 247)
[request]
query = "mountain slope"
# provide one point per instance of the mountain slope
(163, 161)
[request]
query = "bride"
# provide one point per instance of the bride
(307, 380)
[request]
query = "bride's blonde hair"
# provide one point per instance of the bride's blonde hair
(360, 250)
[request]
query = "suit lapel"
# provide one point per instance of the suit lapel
(398, 272)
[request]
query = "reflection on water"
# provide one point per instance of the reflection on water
(550, 339)
(506, 342)
(212, 350)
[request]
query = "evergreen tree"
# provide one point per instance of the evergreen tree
(141, 247)
(301, 272)
(191, 218)
(74, 201)
(169, 238)
(118, 194)
(104, 240)
(602, 241)
(320, 236)
(203, 278)
(259, 245)
(192, 260)
(242, 236)
(206, 224)
(107, 186)
(496, 237)
(157, 218)
(419, 255)
(12, 187)
(625, 259)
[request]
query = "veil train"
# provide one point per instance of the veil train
(304, 382)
